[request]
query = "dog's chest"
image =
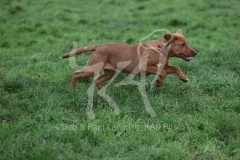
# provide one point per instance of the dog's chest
(162, 61)
(160, 65)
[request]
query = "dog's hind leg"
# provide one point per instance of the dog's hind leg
(80, 74)
(92, 68)
(107, 75)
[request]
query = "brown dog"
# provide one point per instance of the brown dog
(142, 59)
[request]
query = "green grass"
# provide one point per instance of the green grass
(43, 118)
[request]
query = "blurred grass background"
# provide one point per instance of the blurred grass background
(43, 118)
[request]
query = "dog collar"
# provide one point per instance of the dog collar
(160, 49)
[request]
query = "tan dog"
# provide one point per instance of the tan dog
(141, 59)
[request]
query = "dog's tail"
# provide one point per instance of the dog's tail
(79, 51)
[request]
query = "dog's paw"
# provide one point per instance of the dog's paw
(184, 79)
(157, 84)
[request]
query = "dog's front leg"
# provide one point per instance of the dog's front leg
(145, 68)
(158, 71)
(177, 71)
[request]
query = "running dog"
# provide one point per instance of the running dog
(142, 59)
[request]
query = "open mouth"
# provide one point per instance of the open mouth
(186, 58)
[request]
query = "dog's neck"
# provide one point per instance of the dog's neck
(161, 49)
(163, 46)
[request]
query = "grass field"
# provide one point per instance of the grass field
(43, 118)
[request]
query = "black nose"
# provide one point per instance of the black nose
(195, 53)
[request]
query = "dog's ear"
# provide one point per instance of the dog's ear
(170, 38)
(179, 31)
(167, 36)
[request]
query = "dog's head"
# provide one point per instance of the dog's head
(179, 47)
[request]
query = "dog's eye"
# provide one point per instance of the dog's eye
(183, 44)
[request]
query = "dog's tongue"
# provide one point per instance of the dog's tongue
(187, 58)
